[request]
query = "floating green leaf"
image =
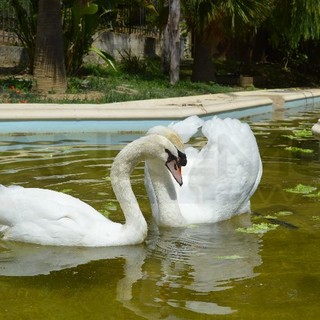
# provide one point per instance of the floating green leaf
(254, 218)
(301, 189)
(258, 228)
(315, 218)
(302, 133)
(110, 206)
(299, 150)
(105, 212)
(283, 213)
(314, 195)
(299, 133)
(66, 191)
(270, 217)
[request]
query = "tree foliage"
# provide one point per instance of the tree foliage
(234, 16)
(214, 21)
(286, 22)
(295, 20)
(26, 29)
(80, 21)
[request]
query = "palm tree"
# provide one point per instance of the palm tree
(213, 20)
(49, 64)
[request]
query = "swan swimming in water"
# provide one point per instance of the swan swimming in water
(49, 217)
(219, 180)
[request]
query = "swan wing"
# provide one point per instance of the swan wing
(224, 174)
(187, 127)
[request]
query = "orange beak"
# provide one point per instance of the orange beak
(175, 169)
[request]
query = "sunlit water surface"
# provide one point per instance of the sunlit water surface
(200, 272)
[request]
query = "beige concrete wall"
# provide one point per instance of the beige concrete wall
(113, 43)
(12, 57)
(117, 43)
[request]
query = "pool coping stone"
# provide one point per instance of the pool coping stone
(167, 108)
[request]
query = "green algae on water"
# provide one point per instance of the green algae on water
(108, 207)
(67, 191)
(258, 228)
(313, 195)
(299, 150)
(301, 189)
(299, 133)
(302, 133)
(283, 213)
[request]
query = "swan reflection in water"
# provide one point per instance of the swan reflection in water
(194, 261)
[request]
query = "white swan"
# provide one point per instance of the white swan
(219, 180)
(48, 217)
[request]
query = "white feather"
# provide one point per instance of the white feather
(219, 179)
(52, 218)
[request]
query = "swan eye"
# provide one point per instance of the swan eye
(182, 158)
(171, 157)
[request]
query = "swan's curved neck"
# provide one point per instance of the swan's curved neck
(135, 225)
(169, 213)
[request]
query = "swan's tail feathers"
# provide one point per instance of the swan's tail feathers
(187, 128)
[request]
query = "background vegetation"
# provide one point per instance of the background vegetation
(274, 41)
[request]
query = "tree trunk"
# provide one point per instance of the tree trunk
(165, 54)
(166, 51)
(203, 69)
(49, 65)
(174, 39)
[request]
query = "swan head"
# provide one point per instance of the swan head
(174, 138)
(169, 154)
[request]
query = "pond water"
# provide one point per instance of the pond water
(226, 270)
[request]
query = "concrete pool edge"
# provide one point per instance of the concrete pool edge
(142, 114)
